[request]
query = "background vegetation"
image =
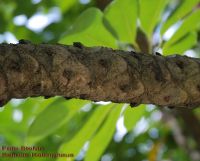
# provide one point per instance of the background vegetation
(102, 130)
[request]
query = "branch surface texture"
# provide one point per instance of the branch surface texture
(98, 74)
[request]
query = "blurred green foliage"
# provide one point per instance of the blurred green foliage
(95, 131)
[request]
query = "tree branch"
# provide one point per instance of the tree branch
(98, 73)
(190, 120)
(101, 4)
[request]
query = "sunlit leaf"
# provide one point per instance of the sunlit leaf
(191, 23)
(182, 10)
(188, 41)
(122, 16)
(150, 14)
(133, 115)
(53, 117)
(89, 30)
(103, 136)
(35, 106)
(86, 132)
(8, 130)
(65, 5)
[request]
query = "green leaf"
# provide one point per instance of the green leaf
(65, 5)
(89, 30)
(150, 14)
(190, 24)
(52, 117)
(8, 128)
(103, 136)
(133, 115)
(187, 42)
(122, 16)
(181, 11)
(86, 132)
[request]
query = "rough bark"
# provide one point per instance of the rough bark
(99, 74)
